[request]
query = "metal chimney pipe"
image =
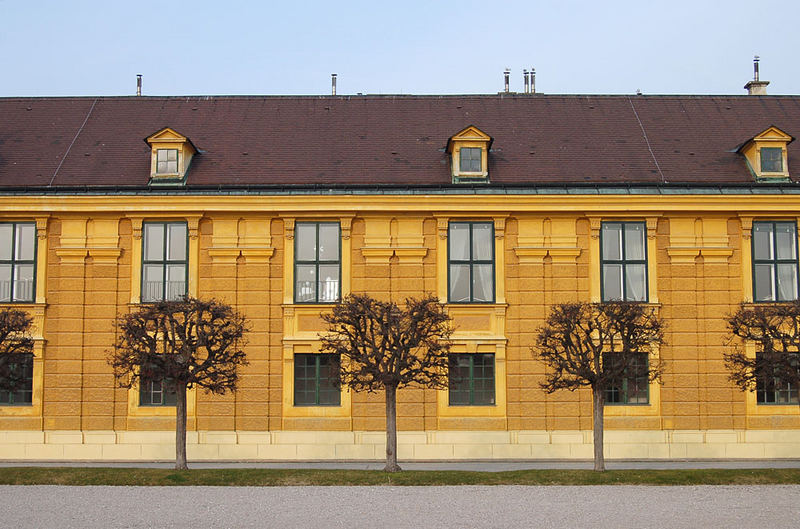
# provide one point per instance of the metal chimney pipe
(756, 87)
(525, 75)
(533, 81)
(505, 75)
(138, 84)
(333, 84)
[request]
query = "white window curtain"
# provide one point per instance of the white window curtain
(635, 284)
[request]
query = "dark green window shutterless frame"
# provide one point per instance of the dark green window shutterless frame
(314, 376)
(776, 392)
(623, 261)
(774, 261)
(165, 261)
(157, 393)
(633, 387)
(22, 369)
(471, 379)
(470, 256)
(772, 390)
(17, 262)
(317, 262)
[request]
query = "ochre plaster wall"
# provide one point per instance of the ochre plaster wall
(394, 249)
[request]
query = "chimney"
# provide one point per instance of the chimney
(333, 84)
(505, 75)
(525, 75)
(138, 84)
(756, 87)
(533, 81)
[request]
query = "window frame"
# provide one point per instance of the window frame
(789, 388)
(472, 262)
(316, 262)
(762, 390)
(470, 149)
(317, 378)
(164, 391)
(624, 262)
(13, 262)
(623, 387)
(165, 262)
(471, 380)
(177, 161)
(774, 262)
(28, 384)
(779, 150)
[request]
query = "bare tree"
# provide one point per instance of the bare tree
(187, 343)
(598, 345)
(15, 344)
(774, 329)
(385, 347)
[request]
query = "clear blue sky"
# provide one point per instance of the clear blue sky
(411, 47)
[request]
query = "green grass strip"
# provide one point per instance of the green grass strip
(259, 477)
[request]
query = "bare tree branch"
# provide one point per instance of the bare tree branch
(385, 347)
(191, 342)
(594, 345)
(15, 343)
(774, 330)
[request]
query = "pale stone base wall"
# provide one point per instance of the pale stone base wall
(432, 445)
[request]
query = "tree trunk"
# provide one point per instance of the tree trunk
(598, 403)
(391, 430)
(180, 427)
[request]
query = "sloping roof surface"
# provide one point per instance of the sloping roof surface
(366, 140)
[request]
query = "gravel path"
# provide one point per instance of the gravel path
(741, 507)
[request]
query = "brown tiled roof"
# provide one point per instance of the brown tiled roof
(365, 140)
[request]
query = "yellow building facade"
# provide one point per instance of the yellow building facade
(546, 251)
(92, 253)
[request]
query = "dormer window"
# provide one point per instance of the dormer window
(470, 161)
(469, 155)
(766, 154)
(771, 160)
(167, 161)
(171, 154)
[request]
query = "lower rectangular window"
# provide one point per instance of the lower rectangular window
(314, 380)
(773, 390)
(471, 379)
(633, 386)
(20, 371)
(776, 392)
(157, 393)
